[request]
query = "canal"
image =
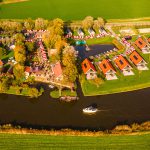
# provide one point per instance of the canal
(45, 112)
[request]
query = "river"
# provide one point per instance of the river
(45, 112)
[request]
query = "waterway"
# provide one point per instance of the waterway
(93, 50)
(45, 112)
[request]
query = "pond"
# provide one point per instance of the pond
(45, 112)
(93, 50)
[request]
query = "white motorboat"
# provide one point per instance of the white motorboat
(90, 110)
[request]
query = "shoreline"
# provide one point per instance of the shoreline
(124, 91)
(133, 129)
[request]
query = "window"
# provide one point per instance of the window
(85, 65)
(140, 43)
(121, 62)
(104, 65)
(135, 57)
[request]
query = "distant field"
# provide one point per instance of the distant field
(17, 142)
(77, 9)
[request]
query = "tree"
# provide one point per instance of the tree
(2, 52)
(30, 46)
(19, 37)
(29, 24)
(41, 24)
(87, 22)
(20, 53)
(4, 84)
(18, 71)
(33, 92)
(98, 23)
(69, 63)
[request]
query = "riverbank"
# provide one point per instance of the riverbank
(133, 129)
(122, 137)
(127, 142)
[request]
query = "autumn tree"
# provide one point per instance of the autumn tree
(29, 24)
(41, 24)
(2, 52)
(69, 63)
(4, 84)
(87, 22)
(19, 37)
(20, 53)
(18, 71)
(30, 46)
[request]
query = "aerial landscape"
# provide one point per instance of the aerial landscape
(74, 74)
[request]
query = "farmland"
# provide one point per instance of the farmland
(74, 10)
(128, 142)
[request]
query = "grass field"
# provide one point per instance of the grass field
(78, 9)
(31, 142)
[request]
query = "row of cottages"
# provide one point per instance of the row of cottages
(92, 32)
(109, 71)
(142, 45)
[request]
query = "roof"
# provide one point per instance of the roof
(106, 66)
(140, 43)
(87, 65)
(121, 62)
(57, 69)
(135, 57)
(28, 69)
(1, 63)
(149, 39)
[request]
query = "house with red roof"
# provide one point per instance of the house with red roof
(28, 71)
(89, 69)
(57, 71)
(123, 65)
(149, 40)
(142, 45)
(108, 70)
(138, 61)
(1, 64)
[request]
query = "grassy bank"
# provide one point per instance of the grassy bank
(74, 10)
(124, 142)
(140, 80)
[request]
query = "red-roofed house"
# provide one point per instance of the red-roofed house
(107, 69)
(138, 61)
(140, 43)
(1, 64)
(28, 70)
(89, 69)
(123, 65)
(57, 71)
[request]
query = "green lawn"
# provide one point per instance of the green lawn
(103, 40)
(31, 142)
(78, 9)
